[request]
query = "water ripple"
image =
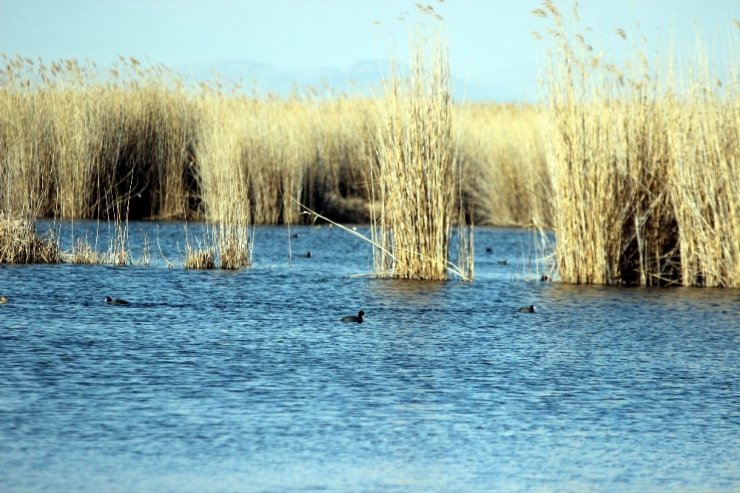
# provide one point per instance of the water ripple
(233, 381)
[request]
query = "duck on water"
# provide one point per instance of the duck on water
(352, 318)
(528, 309)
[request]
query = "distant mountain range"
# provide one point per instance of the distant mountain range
(363, 77)
(360, 77)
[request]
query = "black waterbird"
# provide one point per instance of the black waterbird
(115, 301)
(352, 318)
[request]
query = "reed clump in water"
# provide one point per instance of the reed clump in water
(223, 182)
(200, 259)
(20, 244)
(83, 253)
(418, 175)
(644, 171)
(221, 247)
(76, 145)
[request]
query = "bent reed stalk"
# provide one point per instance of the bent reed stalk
(645, 171)
(417, 181)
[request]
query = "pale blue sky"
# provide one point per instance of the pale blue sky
(490, 44)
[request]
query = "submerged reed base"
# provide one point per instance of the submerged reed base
(225, 247)
(199, 259)
(83, 253)
(234, 247)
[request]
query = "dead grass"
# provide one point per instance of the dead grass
(74, 144)
(504, 160)
(635, 167)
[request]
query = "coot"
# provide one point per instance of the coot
(115, 301)
(352, 318)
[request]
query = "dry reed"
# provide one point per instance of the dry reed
(417, 180)
(223, 182)
(644, 170)
(74, 145)
(502, 149)
(78, 144)
(20, 244)
(83, 253)
(200, 258)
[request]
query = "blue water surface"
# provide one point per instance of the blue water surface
(214, 381)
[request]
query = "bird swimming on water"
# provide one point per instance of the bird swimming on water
(115, 301)
(528, 309)
(352, 318)
(3, 300)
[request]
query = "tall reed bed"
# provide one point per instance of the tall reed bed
(131, 143)
(78, 145)
(26, 141)
(644, 169)
(418, 177)
(504, 159)
(223, 182)
(336, 182)
(264, 147)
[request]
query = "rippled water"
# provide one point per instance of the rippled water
(246, 381)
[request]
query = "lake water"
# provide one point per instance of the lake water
(216, 381)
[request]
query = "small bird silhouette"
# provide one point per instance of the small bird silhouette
(116, 301)
(528, 309)
(352, 318)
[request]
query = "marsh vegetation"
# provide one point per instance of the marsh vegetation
(644, 165)
(418, 179)
(633, 166)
